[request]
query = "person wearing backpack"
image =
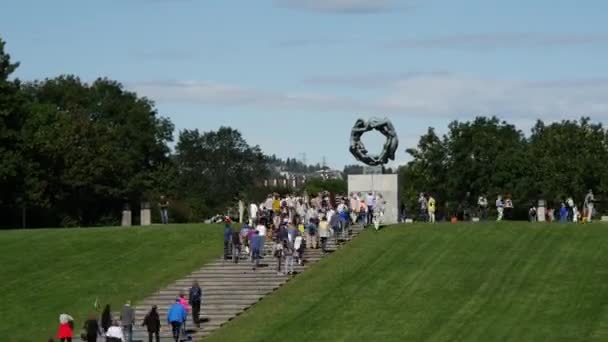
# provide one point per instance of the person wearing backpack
(127, 318)
(311, 235)
(236, 247)
(152, 323)
(176, 316)
(195, 297)
(290, 254)
(277, 252)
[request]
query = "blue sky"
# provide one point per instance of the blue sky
(293, 75)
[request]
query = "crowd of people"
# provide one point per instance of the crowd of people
(564, 210)
(121, 330)
(294, 223)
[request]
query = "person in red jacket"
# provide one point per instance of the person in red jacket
(66, 328)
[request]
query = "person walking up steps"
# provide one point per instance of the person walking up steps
(277, 252)
(311, 235)
(106, 318)
(92, 329)
(152, 323)
(184, 303)
(324, 233)
(261, 229)
(127, 318)
(256, 242)
(236, 247)
(176, 317)
(290, 254)
(66, 328)
(115, 333)
(195, 297)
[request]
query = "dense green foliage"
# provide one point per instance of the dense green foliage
(51, 271)
(483, 282)
(490, 157)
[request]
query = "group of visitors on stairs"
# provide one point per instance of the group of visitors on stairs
(291, 223)
(122, 330)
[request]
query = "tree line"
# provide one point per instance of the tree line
(487, 156)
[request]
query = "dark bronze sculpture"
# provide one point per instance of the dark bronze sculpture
(383, 126)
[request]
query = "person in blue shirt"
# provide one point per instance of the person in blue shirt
(256, 247)
(563, 214)
(227, 239)
(176, 317)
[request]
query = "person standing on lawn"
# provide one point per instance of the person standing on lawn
(195, 297)
(431, 207)
(163, 204)
(500, 207)
(589, 200)
(176, 317)
(127, 318)
(152, 324)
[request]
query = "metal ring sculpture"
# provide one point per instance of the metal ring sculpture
(383, 126)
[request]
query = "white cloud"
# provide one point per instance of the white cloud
(454, 94)
(432, 94)
(339, 6)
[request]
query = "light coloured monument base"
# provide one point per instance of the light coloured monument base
(126, 218)
(386, 185)
(145, 217)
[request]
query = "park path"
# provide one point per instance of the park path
(228, 290)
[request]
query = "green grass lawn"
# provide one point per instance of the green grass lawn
(47, 272)
(483, 282)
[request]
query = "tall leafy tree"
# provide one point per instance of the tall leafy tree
(216, 167)
(12, 107)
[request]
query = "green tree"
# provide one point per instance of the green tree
(215, 168)
(90, 149)
(12, 113)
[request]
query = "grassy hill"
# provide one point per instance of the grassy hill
(47, 272)
(483, 282)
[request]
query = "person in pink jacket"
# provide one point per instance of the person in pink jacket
(184, 302)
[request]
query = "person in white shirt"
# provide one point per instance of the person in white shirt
(370, 201)
(589, 199)
(253, 213)
(570, 205)
(499, 208)
(482, 203)
(261, 228)
(114, 333)
(422, 201)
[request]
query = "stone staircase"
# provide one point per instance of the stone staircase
(228, 290)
